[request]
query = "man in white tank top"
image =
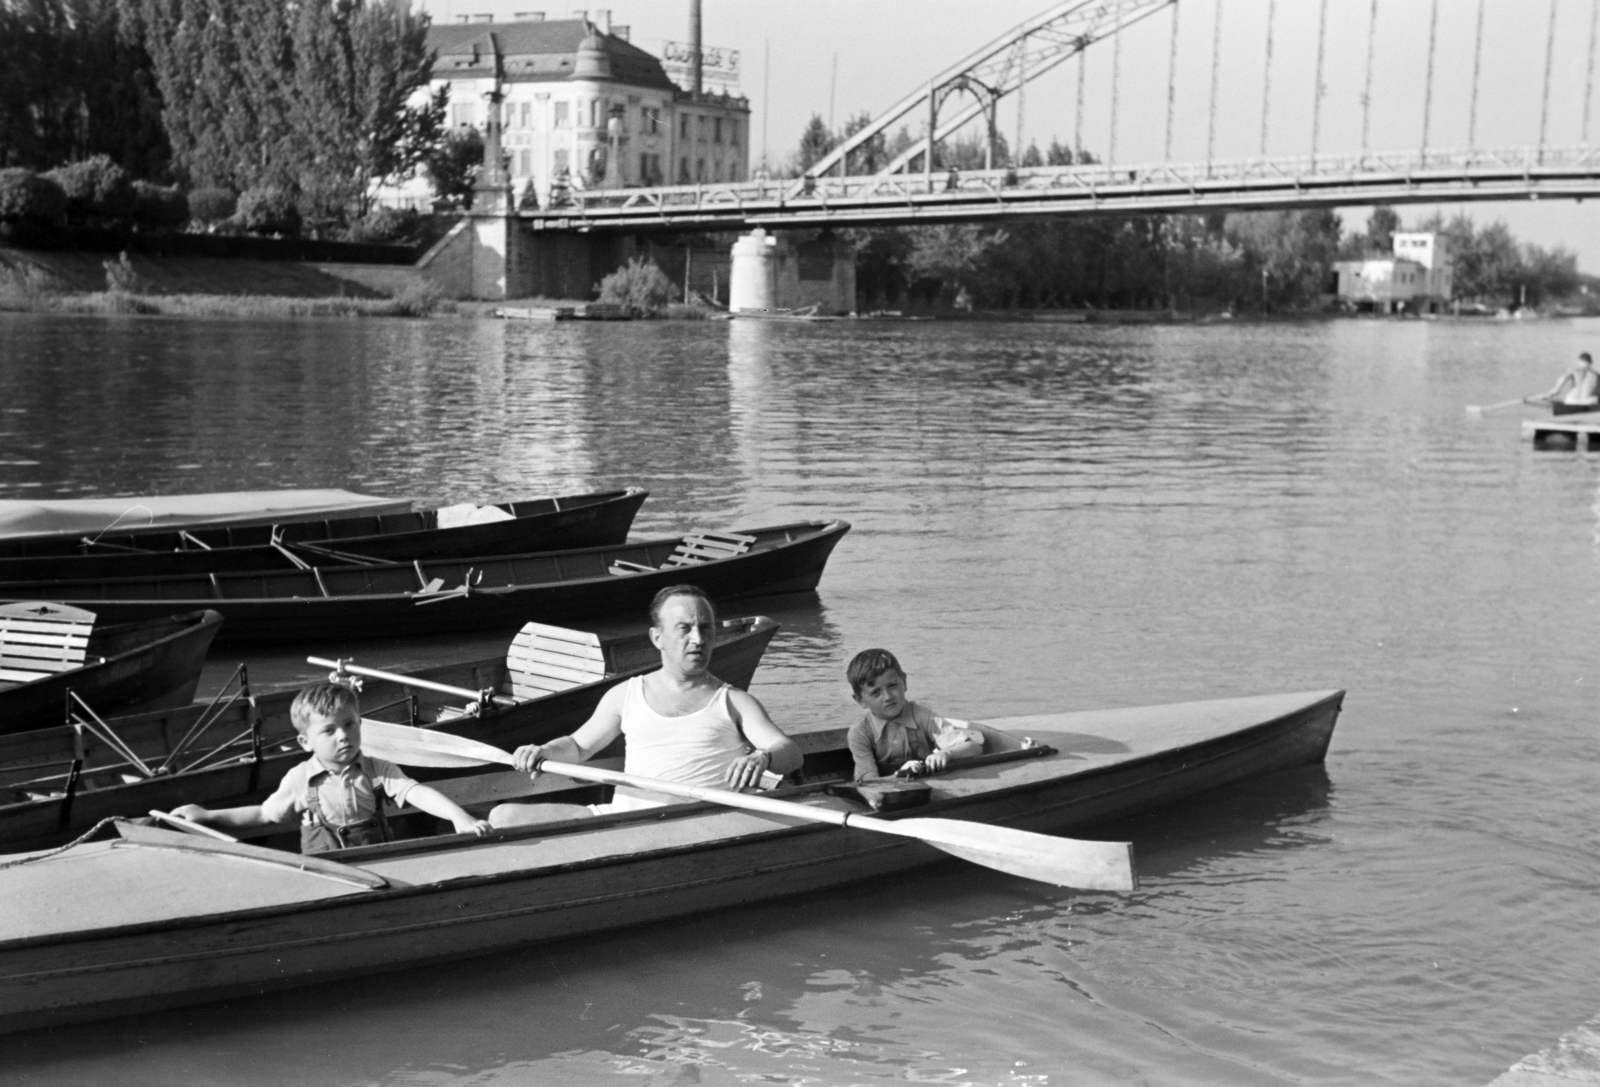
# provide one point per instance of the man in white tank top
(681, 723)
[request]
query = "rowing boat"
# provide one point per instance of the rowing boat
(47, 651)
(43, 519)
(540, 524)
(489, 593)
(156, 918)
(55, 783)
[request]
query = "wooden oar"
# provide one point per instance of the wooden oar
(189, 825)
(413, 681)
(1479, 409)
(1065, 862)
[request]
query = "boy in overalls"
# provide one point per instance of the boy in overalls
(338, 792)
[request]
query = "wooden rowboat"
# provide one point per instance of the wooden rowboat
(492, 593)
(540, 524)
(56, 783)
(47, 650)
(159, 918)
(1558, 408)
(67, 519)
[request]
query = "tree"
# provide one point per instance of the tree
(873, 153)
(1381, 225)
(453, 166)
(815, 142)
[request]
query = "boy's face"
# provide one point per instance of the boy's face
(335, 739)
(884, 695)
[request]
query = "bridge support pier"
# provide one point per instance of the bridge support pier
(796, 270)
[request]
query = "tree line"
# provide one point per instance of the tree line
(1266, 261)
(288, 111)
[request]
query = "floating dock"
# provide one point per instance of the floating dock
(1571, 1062)
(577, 311)
(1581, 431)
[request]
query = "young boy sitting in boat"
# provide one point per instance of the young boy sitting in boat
(338, 792)
(897, 735)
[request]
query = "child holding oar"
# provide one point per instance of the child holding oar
(338, 792)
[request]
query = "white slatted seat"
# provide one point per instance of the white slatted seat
(545, 659)
(698, 547)
(39, 640)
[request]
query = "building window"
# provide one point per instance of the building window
(523, 163)
(716, 132)
(650, 120)
(700, 170)
(719, 171)
(461, 115)
(561, 115)
(527, 115)
(683, 170)
(733, 132)
(683, 128)
(559, 163)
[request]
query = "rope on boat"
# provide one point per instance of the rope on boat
(79, 840)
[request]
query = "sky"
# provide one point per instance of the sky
(837, 58)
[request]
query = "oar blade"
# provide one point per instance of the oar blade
(420, 747)
(1064, 862)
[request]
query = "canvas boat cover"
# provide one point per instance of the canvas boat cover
(88, 516)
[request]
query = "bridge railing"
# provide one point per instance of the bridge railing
(773, 197)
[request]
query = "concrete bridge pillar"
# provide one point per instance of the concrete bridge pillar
(773, 272)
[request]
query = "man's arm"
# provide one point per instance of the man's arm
(603, 726)
(774, 750)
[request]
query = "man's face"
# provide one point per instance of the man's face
(685, 634)
(334, 738)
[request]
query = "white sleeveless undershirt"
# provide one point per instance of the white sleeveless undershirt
(694, 749)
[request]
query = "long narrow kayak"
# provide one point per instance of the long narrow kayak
(56, 783)
(156, 918)
(537, 524)
(496, 592)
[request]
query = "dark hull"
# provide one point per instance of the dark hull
(150, 664)
(331, 604)
(450, 900)
(98, 792)
(545, 524)
(1557, 408)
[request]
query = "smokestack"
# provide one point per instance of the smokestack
(694, 43)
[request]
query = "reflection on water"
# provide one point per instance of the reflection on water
(1045, 518)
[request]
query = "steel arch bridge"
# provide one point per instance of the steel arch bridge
(910, 188)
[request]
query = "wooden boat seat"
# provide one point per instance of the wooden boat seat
(39, 640)
(697, 547)
(545, 659)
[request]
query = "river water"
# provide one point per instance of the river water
(1046, 517)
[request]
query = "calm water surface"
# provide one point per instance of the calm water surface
(1046, 518)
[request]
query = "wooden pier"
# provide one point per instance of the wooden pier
(1572, 1062)
(1581, 431)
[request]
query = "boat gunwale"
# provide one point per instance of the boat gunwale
(1318, 700)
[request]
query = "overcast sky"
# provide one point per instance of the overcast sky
(885, 48)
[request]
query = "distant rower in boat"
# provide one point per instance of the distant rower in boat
(338, 792)
(897, 735)
(1578, 389)
(681, 723)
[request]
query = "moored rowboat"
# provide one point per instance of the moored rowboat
(67, 519)
(47, 650)
(159, 918)
(489, 593)
(56, 783)
(539, 524)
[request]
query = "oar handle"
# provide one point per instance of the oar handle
(189, 825)
(412, 681)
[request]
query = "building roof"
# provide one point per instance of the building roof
(537, 51)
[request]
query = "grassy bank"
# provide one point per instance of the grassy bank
(407, 304)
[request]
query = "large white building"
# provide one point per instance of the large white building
(1419, 277)
(582, 107)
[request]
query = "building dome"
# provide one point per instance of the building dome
(593, 61)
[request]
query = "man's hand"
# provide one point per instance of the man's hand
(525, 757)
(745, 772)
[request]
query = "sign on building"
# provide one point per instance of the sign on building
(719, 68)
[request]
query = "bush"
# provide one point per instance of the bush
(639, 287)
(27, 197)
(210, 206)
(159, 208)
(96, 188)
(268, 211)
(384, 225)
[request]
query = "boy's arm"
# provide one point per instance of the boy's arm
(431, 800)
(866, 759)
(226, 818)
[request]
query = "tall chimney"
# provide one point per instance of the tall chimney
(694, 43)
